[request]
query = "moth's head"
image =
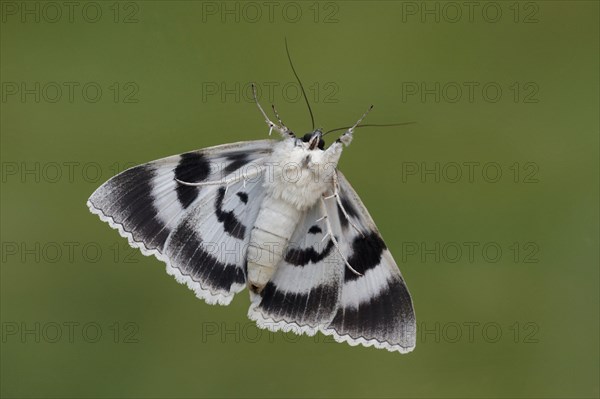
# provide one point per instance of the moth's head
(306, 151)
(314, 140)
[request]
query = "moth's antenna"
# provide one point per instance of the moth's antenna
(362, 117)
(283, 130)
(369, 125)
(312, 118)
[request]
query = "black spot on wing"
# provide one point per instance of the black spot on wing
(350, 210)
(230, 222)
(315, 230)
(243, 197)
(342, 217)
(387, 317)
(193, 167)
(127, 198)
(366, 254)
(237, 160)
(192, 259)
(302, 257)
(311, 307)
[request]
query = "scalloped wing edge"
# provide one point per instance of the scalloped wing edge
(203, 293)
(274, 326)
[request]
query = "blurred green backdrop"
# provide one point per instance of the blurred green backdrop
(489, 202)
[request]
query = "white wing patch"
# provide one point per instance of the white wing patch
(336, 277)
(207, 250)
(370, 309)
(303, 294)
(147, 206)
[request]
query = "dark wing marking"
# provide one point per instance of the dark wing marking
(147, 205)
(207, 251)
(231, 223)
(375, 309)
(193, 167)
(313, 289)
(304, 292)
(315, 230)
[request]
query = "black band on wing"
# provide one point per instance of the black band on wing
(315, 230)
(388, 317)
(342, 217)
(237, 159)
(304, 307)
(243, 196)
(127, 199)
(231, 224)
(366, 254)
(302, 257)
(192, 259)
(350, 210)
(193, 167)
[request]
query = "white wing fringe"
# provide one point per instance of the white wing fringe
(274, 326)
(202, 293)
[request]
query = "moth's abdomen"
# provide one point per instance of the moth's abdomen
(270, 236)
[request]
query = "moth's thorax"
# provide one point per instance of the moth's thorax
(299, 175)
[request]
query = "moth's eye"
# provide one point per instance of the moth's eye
(321, 144)
(306, 137)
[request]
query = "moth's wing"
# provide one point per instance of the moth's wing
(313, 289)
(375, 309)
(147, 205)
(303, 294)
(207, 250)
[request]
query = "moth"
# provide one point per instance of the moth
(276, 217)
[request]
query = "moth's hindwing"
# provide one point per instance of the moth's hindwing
(376, 308)
(304, 292)
(207, 250)
(164, 218)
(313, 289)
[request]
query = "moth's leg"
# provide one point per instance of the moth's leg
(333, 239)
(282, 129)
(226, 182)
(336, 195)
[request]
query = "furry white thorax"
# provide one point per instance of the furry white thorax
(296, 178)
(298, 175)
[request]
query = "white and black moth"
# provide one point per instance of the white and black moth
(276, 217)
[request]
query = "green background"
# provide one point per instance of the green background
(541, 294)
